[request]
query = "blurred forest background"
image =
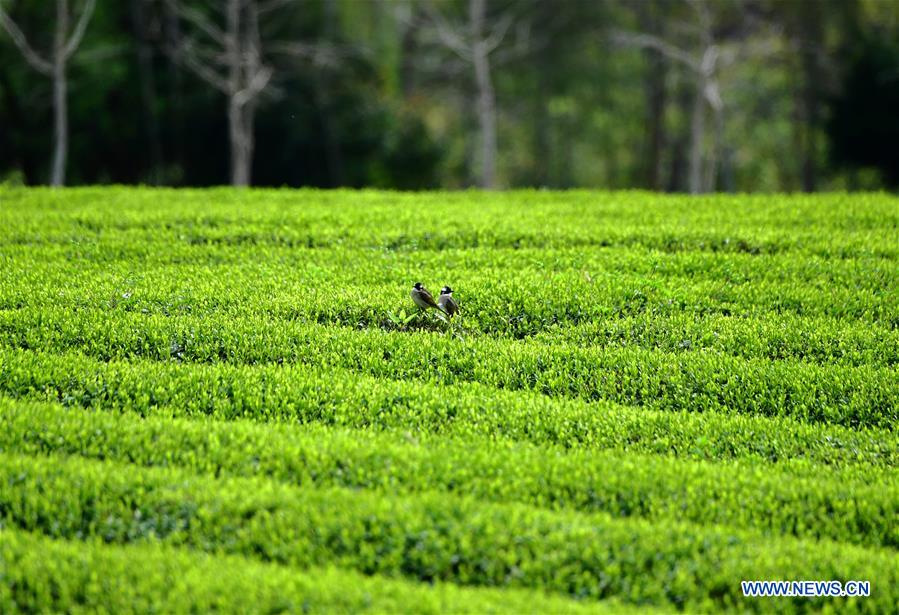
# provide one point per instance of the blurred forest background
(671, 95)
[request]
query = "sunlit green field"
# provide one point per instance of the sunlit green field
(227, 400)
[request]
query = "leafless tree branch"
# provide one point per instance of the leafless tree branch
(499, 32)
(80, 28)
(18, 38)
(187, 54)
(447, 33)
(258, 82)
(649, 41)
(709, 60)
(231, 61)
(195, 17)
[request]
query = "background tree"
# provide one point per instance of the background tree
(229, 59)
(474, 41)
(65, 44)
(703, 61)
(652, 22)
(370, 94)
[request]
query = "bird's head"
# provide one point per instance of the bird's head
(417, 286)
(446, 290)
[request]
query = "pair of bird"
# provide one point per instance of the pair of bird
(445, 302)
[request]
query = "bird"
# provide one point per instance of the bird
(447, 303)
(423, 298)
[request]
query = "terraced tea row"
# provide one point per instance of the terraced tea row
(514, 299)
(43, 575)
(157, 252)
(850, 396)
(298, 394)
(552, 318)
(844, 225)
(844, 506)
(430, 537)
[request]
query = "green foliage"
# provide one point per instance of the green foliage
(46, 575)
(433, 537)
(850, 396)
(837, 505)
(645, 399)
(297, 394)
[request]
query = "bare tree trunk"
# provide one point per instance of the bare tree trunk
(240, 120)
(697, 136)
(240, 175)
(487, 121)
(60, 125)
(60, 86)
(712, 95)
(241, 140)
(486, 102)
(249, 143)
(714, 161)
(656, 99)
